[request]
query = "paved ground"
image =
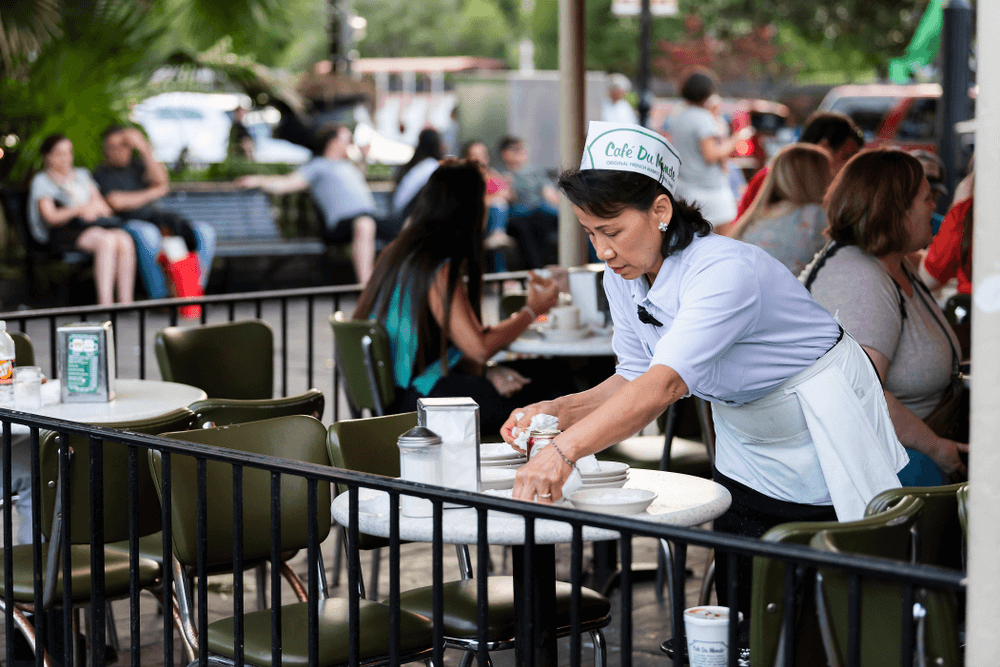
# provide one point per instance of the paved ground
(651, 620)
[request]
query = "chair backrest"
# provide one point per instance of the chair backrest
(881, 608)
(115, 480)
(225, 411)
(767, 597)
(15, 207)
(24, 351)
(298, 438)
(938, 530)
(369, 445)
(364, 363)
(511, 303)
(229, 360)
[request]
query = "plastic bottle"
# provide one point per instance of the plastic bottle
(6, 367)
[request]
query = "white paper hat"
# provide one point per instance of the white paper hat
(627, 147)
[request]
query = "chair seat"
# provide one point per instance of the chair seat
(460, 601)
(689, 457)
(116, 573)
(415, 635)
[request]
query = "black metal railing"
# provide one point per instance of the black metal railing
(911, 577)
(298, 317)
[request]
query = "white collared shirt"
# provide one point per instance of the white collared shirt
(736, 322)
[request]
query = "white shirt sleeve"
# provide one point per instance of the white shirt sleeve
(632, 358)
(719, 304)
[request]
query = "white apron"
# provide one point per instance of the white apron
(823, 436)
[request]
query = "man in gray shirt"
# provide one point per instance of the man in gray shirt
(342, 194)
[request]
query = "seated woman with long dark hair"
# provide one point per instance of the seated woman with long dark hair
(426, 291)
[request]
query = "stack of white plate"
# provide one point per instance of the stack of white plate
(612, 474)
(500, 455)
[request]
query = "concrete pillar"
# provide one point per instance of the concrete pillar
(572, 118)
(984, 457)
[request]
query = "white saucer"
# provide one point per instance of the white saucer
(564, 335)
(607, 469)
(605, 485)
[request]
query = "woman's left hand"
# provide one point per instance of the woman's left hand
(541, 479)
(506, 380)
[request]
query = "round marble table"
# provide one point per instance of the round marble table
(682, 500)
(596, 344)
(134, 399)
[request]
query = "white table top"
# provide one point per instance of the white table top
(596, 344)
(134, 399)
(682, 500)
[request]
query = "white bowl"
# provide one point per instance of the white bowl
(497, 478)
(608, 469)
(612, 501)
(492, 451)
(617, 484)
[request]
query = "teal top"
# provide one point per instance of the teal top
(402, 329)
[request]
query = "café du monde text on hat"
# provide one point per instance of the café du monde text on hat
(626, 147)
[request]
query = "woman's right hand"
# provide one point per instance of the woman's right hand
(521, 418)
(543, 293)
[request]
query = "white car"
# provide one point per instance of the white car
(199, 122)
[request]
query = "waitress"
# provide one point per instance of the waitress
(802, 428)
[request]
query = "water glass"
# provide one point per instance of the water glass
(27, 387)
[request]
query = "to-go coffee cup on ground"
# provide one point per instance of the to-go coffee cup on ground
(564, 317)
(707, 630)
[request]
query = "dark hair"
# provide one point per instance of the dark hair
(49, 142)
(836, 128)
(698, 86)
(112, 129)
(428, 146)
(605, 193)
(867, 202)
(446, 226)
(508, 141)
(328, 135)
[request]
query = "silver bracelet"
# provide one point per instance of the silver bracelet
(530, 311)
(559, 452)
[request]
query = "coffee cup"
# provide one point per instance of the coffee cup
(707, 630)
(27, 387)
(564, 317)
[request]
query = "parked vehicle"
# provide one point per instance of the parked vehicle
(197, 122)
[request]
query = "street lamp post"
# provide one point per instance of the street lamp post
(955, 42)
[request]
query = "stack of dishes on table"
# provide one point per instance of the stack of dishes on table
(498, 464)
(610, 475)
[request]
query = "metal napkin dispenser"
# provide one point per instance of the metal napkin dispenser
(586, 285)
(86, 362)
(456, 420)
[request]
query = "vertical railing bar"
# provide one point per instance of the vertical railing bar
(677, 601)
(203, 316)
(576, 580)
(310, 302)
(166, 522)
(258, 306)
(336, 374)
(238, 626)
(482, 594)
(231, 310)
(437, 559)
(173, 315)
(97, 609)
(625, 558)
(528, 652)
(854, 620)
(133, 552)
(395, 621)
(114, 327)
(53, 366)
(313, 555)
(284, 347)
(276, 569)
(201, 540)
(353, 568)
(732, 585)
(65, 461)
(8, 543)
(36, 542)
(907, 635)
(788, 614)
(142, 344)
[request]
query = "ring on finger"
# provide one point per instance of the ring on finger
(544, 495)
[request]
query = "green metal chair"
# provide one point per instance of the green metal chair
(882, 615)
(24, 351)
(229, 360)
(767, 601)
(303, 439)
(938, 532)
(116, 522)
(225, 411)
(369, 445)
(364, 363)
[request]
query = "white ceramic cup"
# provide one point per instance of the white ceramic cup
(27, 387)
(707, 631)
(564, 317)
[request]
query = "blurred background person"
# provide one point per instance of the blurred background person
(704, 149)
(835, 132)
(534, 206)
(498, 195)
(786, 219)
(934, 172)
(67, 211)
(240, 140)
(413, 175)
(426, 290)
(950, 253)
(879, 210)
(615, 108)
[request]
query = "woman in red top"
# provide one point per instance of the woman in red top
(950, 253)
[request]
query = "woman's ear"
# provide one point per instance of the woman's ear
(662, 210)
